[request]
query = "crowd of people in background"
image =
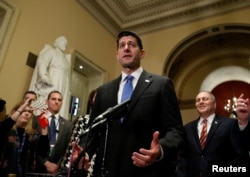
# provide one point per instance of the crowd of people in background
(27, 149)
(145, 139)
(18, 141)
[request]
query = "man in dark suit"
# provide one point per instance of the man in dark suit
(243, 114)
(50, 153)
(221, 143)
(145, 142)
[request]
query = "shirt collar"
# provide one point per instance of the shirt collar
(56, 115)
(209, 119)
(136, 74)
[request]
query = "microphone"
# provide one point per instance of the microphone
(116, 111)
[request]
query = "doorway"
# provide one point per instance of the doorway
(85, 77)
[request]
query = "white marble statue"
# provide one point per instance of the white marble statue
(52, 72)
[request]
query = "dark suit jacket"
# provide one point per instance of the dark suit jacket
(62, 142)
(245, 143)
(153, 107)
(222, 146)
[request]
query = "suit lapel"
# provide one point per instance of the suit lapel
(60, 128)
(195, 132)
(114, 96)
(143, 83)
(215, 124)
(113, 90)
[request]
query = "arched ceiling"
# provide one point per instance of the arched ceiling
(207, 46)
(144, 16)
(203, 52)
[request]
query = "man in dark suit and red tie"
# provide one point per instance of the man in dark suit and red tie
(144, 141)
(220, 144)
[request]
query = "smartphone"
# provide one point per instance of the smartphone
(38, 105)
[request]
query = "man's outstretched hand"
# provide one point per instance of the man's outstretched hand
(146, 157)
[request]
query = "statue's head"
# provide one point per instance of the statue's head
(61, 43)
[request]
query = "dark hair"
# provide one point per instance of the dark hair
(2, 103)
(91, 101)
(55, 91)
(129, 33)
(29, 92)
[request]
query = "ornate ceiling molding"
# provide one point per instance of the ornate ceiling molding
(144, 16)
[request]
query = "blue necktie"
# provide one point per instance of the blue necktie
(52, 130)
(127, 90)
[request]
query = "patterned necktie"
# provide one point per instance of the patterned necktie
(52, 130)
(127, 90)
(203, 136)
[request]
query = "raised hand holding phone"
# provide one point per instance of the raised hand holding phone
(38, 105)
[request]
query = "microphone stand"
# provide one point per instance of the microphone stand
(82, 154)
(103, 169)
(103, 118)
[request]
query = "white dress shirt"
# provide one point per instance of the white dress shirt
(209, 123)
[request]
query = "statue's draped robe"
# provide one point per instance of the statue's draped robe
(52, 72)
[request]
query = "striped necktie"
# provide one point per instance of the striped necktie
(203, 136)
